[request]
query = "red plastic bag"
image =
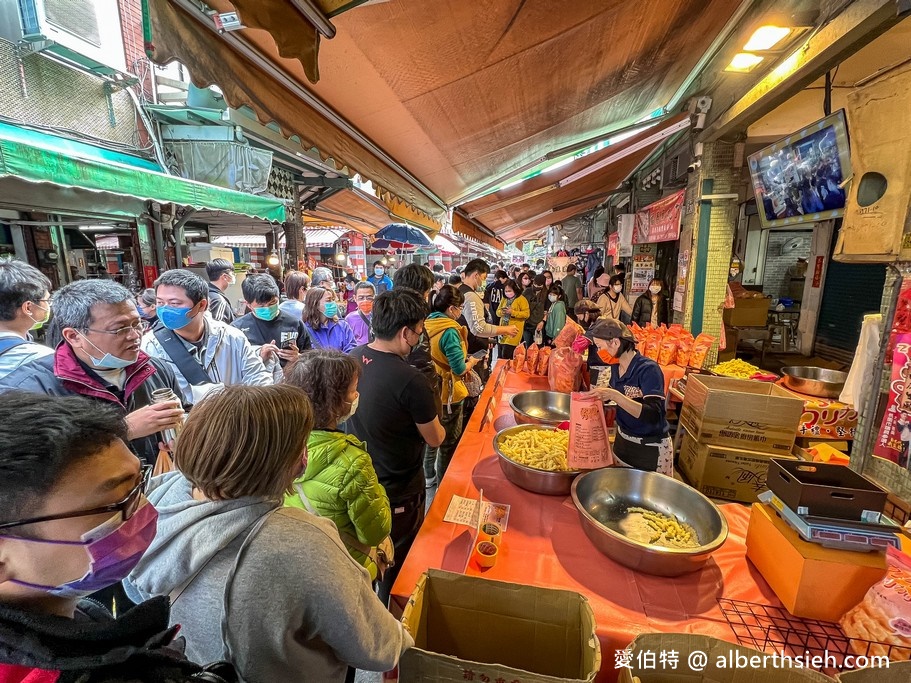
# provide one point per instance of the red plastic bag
(589, 446)
(531, 358)
(570, 331)
(564, 373)
(518, 358)
(543, 360)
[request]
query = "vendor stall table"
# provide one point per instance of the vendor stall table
(544, 545)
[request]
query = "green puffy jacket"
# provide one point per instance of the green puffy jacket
(342, 485)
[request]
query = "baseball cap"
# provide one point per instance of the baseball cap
(603, 280)
(610, 328)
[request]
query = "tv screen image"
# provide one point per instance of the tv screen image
(799, 179)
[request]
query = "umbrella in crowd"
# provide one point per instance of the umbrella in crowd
(400, 236)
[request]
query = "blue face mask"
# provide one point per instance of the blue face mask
(378, 272)
(107, 361)
(266, 312)
(330, 309)
(174, 317)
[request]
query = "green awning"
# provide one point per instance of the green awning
(42, 158)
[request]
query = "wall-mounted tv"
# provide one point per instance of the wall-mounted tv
(799, 179)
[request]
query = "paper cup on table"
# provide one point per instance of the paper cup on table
(485, 554)
(490, 532)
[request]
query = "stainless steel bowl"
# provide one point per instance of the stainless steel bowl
(529, 478)
(603, 498)
(814, 381)
(540, 407)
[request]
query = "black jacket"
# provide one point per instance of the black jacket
(219, 305)
(63, 374)
(94, 647)
(642, 309)
(420, 360)
(284, 330)
(537, 306)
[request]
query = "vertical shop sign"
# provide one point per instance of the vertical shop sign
(625, 224)
(643, 271)
(613, 245)
(894, 442)
(817, 271)
(683, 269)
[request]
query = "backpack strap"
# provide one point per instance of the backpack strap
(189, 367)
(10, 343)
(370, 336)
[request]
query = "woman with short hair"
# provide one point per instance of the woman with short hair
(296, 284)
(270, 588)
(323, 319)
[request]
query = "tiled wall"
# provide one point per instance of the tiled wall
(776, 279)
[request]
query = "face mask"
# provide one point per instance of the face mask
(232, 279)
(510, 295)
(378, 272)
(266, 312)
(108, 361)
(114, 549)
(365, 307)
(605, 355)
(330, 309)
(551, 298)
(174, 317)
(655, 290)
(618, 288)
(352, 409)
(349, 286)
(40, 323)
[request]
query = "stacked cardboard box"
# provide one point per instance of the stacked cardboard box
(732, 428)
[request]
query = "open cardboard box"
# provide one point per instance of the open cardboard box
(468, 628)
(721, 659)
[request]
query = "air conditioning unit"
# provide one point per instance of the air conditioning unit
(85, 32)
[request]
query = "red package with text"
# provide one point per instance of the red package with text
(700, 350)
(667, 352)
(884, 615)
(589, 446)
(570, 331)
(564, 372)
(652, 346)
(518, 358)
(543, 360)
(684, 346)
(894, 442)
(531, 358)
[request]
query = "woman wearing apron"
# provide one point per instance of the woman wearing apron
(637, 387)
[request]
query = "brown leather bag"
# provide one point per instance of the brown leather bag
(163, 464)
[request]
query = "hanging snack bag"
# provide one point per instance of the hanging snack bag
(589, 446)
(531, 358)
(570, 331)
(518, 358)
(564, 371)
(700, 350)
(543, 360)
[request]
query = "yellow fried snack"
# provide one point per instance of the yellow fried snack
(543, 449)
(655, 528)
(736, 368)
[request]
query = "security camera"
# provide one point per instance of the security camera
(699, 122)
(695, 166)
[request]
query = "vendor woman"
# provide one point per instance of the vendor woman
(637, 387)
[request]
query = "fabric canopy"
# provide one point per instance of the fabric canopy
(460, 93)
(42, 158)
(315, 239)
(445, 246)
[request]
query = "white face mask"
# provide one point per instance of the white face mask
(618, 288)
(351, 410)
(654, 289)
(552, 298)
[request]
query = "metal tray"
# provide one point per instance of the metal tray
(824, 490)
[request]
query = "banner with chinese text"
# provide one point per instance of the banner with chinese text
(660, 221)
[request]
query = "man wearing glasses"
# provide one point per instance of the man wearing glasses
(25, 304)
(359, 319)
(100, 358)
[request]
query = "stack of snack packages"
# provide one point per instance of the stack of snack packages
(672, 345)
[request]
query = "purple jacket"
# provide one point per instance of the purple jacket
(360, 328)
(334, 335)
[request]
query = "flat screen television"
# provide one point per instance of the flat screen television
(799, 179)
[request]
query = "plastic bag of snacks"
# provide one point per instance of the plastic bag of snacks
(531, 358)
(884, 615)
(564, 371)
(543, 360)
(570, 331)
(667, 352)
(518, 358)
(589, 446)
(652, 346)
(700, 350)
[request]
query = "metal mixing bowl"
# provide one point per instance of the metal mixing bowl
(603, 498)
(529, 478)
(814, 381)
(540, 407)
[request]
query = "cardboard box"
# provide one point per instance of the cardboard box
(727, 473)
(469, 628)
(747, 313)
(721, 664)
(810, 580)
(741, 413)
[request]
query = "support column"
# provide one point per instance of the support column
(295, 239)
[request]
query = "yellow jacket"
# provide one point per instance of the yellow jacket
(517, 317)
(454, 389)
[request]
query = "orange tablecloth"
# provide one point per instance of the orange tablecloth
(544, 545)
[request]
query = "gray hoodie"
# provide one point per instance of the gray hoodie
(299, 607)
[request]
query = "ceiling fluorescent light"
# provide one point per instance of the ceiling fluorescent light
(743, 62)
(765, 38)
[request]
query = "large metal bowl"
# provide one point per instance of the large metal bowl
(529, 478)
(540, 407)
(814, 381)
(603, 498)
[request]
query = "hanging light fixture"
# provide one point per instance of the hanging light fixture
(273, 259)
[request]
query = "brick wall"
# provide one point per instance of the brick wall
(134, 45)
(776, 280)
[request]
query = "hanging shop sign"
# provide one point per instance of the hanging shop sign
(558, 264)
(660, 221)
(613, 244)
(894, 442)
(683, 269)
(625, 224)
(643, 272)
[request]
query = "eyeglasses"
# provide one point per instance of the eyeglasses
(364, 297)
(139, 328)
(126, 507)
